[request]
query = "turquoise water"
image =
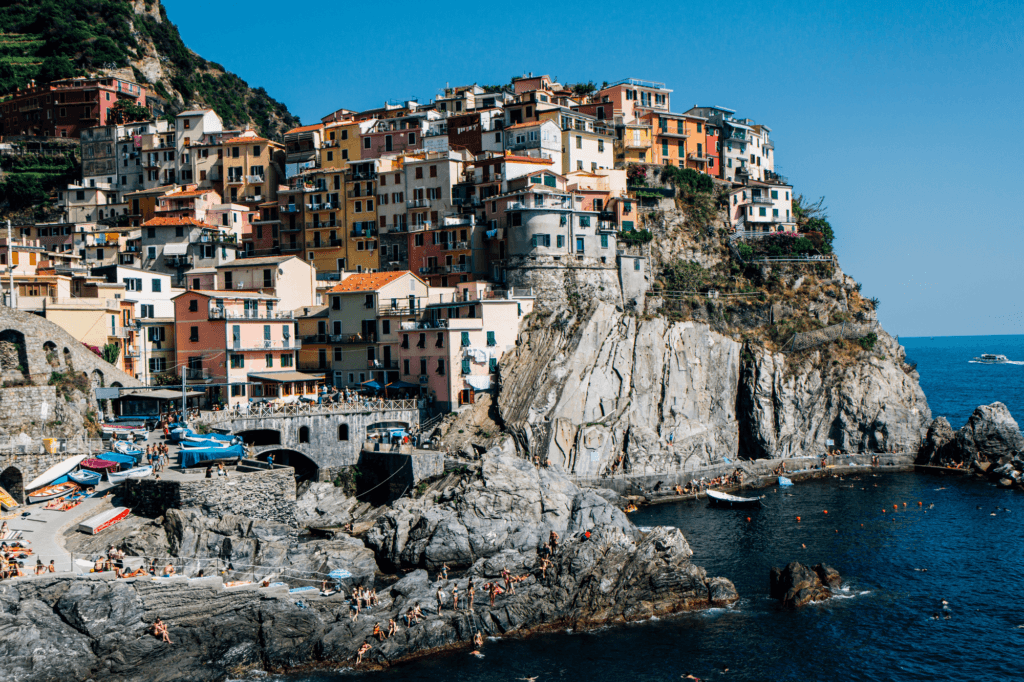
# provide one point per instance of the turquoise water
(955, 385)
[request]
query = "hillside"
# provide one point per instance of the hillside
(130, 39)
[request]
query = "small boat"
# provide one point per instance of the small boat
(6, 501)
(991, 359)
(306, 588)
(123, 430)
(727, 500)
(55, 472)
(126, 448)
(52, 491)
(85, 478)
(101, 522)
(783, 481)
(137, 472)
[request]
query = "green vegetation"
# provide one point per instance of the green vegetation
(812, 220)
(166, 379)
(68, 382)
(685, 275)
(111, 352)
(868, 342)
(688, 180)
(636, 237)
(127, 111)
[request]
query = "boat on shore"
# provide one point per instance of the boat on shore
(52, 491)
(990, 359)
(6, 501)
(85, 477)
(727, 500)
(105, 520)
(55, 472)
(137, 472)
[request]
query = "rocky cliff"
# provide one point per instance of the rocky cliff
(607, 391)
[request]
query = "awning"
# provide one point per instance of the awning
(372, 383)
(175, 249)
(401, 384)
(283, 377)
(160, 394)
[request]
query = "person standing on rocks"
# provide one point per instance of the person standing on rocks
(471, 591)
(455, 597)
(553, 539)
(440, 600)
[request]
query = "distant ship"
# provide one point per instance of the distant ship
(990, 359)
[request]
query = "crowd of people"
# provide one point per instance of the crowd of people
(699, 485)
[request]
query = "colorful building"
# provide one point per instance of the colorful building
(64, 108)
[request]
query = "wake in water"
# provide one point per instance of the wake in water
(1008, 362)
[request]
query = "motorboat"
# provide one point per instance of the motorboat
(52, 491)
(990, 359)
(727, 500)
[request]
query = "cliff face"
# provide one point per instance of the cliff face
(610, 390)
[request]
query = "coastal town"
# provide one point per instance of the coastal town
(395, 248)
(411, 379)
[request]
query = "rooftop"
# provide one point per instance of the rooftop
(368, 281)
(262, 260)
(217, 293)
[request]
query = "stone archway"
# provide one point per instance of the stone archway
(52, 357)
(96, 378)
(12, 480)
(13, 356)
(305, 468)
(69, 360)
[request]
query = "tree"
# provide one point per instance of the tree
(824, 228)
(684, 275)
(128, 111)
(55, 68)
(111, 352)
(22, 191)
(584, 89)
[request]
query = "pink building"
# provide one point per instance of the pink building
(240, 339)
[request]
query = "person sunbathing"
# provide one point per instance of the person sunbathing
(362, 650)
(392, 627)
(160, 630)
(378, 633)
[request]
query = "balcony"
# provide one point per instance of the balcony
(267, 344)
(635, 143)
(255, 179)
(197, 374)
(132, 352)
(342, 339)
(673, 133)
(698, 158)
(761, 199)
(218, 313)
(327, 144)
(458, 221)
(364, 175)
(363, 233)
(381, 364)
(290, 208)
(416, 203)
(455, 246)
(236, 179)
(516, 206)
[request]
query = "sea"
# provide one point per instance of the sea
(902, 542)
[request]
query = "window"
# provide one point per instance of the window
(366, 143)
(412, 138)
(405, 366)
(286, 360)
(237, 390)
(560, 241)
(465, 339)
(636, 263)
(423, 366)
(440, 366)
(775, 194)
(491, 341)
(775, 213)
(492, 365)
(419, 172)
(193, 305)
(763, 211)
(579, 142)
(440, 340)
(337, 353)
(270, 360)
(303, 434)
(541, 240)
(385, 327)
(342, 431)
(604, 241)
(433, 171)
(335, 302)
(157, 365)
(156, 285)
(237, 361)
(466, 367)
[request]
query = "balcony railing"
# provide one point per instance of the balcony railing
(381, 364)
(197, 373)
(217, 313)
(416, 203)
(761, 199)
(290, 208)
(267, 344)
(455, 246)
(340, 338)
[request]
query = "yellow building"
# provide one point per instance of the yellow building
(250, 169)
(362, 235)
(342, 143)
(324, 226)
(635, 145)
(679, 140)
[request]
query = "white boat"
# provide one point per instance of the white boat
(55, 472)
(101, 522)
(126, 448)
(137, 472)
(728, 500)
(990, 359)
(783, 481)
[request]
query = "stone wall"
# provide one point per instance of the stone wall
(558, 284)
(266, 495)
(32, 412)
(17, 470)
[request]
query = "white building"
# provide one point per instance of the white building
(762, 207)
(539, 139)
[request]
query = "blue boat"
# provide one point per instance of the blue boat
(783, 481)
(85, 477)
(127, 448)
(191, 457)
(307, 588)
(120, 458)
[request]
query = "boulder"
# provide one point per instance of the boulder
(990, 434)
(797, 585)
(937, 447)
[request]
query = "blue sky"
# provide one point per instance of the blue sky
(907, 119)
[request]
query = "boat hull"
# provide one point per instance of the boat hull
(101, 522)
(55, 472)
(52, 491)
(86, 478)
(725, 500)
(137, 472)
(6, 501)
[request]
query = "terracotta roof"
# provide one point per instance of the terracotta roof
(368, 281)
(528, 159)
(303, 129)
(187, 193)
(528, 124)
(244, 140)
(174, 222)
(226, 293)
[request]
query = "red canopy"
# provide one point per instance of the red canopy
(98, 464)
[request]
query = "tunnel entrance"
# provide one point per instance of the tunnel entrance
(259, 437)
(305, 468)
(383, 477)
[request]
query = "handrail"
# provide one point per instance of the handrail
(269, 409)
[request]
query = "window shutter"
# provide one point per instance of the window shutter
(465, 366)
(490, 339)
(465, 339)
(492, 364)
